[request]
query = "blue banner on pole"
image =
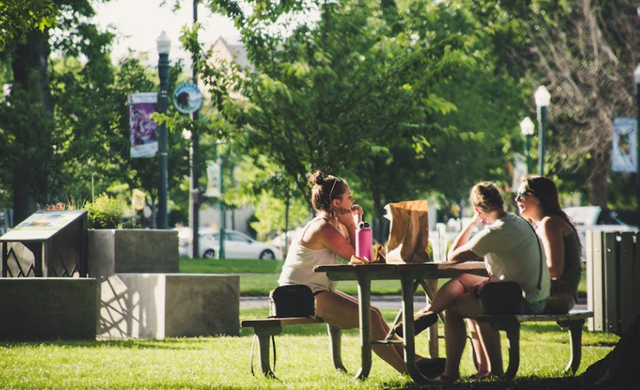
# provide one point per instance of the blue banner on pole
(624, 151)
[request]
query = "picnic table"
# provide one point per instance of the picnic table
(408, 275)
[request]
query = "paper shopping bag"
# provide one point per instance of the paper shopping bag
(409, 233)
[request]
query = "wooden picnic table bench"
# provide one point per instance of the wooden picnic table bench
(266, 328)
(573, 321)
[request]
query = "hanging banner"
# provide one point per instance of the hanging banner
(624, 145)
(144, 136)
(138, 199)
(213, 179)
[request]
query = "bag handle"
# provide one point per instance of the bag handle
(539, 252)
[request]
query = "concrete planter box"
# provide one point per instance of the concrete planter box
(48, 308)
(115, 251)
(154, 306)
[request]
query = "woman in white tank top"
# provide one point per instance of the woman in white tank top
(320, 242)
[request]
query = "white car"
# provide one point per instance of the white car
(236, 245)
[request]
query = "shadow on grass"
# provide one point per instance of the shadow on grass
(516, 384)
(182, 343)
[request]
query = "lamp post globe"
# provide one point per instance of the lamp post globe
(163, 44)
(526, 130)
(543, 99)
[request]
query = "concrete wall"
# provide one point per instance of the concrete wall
(48, 308)
(132, 251)
(169, 305)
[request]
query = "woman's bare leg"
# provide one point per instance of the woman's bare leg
(466, 306)
(451, 291)
(341, 310)
(491, 344)
(478, 349)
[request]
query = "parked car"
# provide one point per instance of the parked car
(236, 245)
(594, 218)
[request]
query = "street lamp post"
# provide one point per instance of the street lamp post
(526, 129)
(223, 216)
(543, 98)
(163, 44)
(636, 75)
(194, 190)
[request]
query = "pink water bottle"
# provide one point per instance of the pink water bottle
(364, 241)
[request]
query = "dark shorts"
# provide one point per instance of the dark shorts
(534, 307)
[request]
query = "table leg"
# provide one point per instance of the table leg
(364, 298)
(408, 329)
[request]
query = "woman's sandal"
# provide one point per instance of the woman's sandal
(420, 322)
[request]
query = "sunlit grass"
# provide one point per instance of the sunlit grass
(224, 362)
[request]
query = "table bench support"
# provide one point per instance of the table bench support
(575, 341)
(264, 334)
(267, 328)
(511, 325)
(364, 297)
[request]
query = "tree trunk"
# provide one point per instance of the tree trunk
(597, 183)
(32, 143)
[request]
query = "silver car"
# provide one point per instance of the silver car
(236, 245)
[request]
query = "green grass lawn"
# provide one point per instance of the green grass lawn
(223, 362)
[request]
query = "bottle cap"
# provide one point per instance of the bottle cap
(363, 225)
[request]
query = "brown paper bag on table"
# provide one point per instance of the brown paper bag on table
(409, 232)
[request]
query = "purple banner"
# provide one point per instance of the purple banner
(144, 136)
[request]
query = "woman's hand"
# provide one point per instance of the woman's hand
(477, 288)
(348, 217)
(357, 213)
(477, 219)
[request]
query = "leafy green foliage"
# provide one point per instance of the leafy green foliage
(104, 212)
(357, 95)
(585, 53)
(19, 17)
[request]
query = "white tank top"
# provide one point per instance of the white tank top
(298, 267)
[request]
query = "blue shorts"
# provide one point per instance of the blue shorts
(534, 307)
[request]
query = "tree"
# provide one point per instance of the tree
(29, 152)
(17, 18)
(585, 52)
(337, 92)
(64, 128)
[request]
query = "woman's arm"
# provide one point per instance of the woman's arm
(550, 231)
(463, 254)
(331, 237)
(460, 251)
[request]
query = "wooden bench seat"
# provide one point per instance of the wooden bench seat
(266, 328)
(573, 321)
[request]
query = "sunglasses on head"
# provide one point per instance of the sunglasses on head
(522, 195)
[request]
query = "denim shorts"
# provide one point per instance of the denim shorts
(534, 307)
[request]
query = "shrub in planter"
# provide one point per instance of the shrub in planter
(104, 212)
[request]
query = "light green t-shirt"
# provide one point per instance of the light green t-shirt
(513, 252)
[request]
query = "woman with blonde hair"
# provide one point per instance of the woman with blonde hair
(538, 202)
(511, 252)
